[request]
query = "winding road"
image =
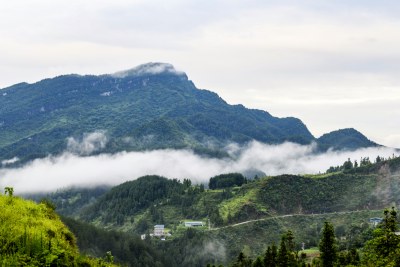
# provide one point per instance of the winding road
(289, 215)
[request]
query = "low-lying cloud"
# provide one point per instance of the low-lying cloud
(149, 68)
(68, 169)
(9, 161)
(89, 143)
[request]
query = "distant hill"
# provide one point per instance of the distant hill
(152, 106)
(138, 204)
(345, 139)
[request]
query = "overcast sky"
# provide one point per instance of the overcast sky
(333, 64)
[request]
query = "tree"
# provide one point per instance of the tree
(283, 256)
(290, 241)
(9, 191)
(187, 183)
(348, 165)
(384, 248)
(258, 263)
(201, 188)
(242, 261)
(270, 257)
(267, 257)
(355, 164)
(390, 220)
(327, 245)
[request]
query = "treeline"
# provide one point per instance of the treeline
(362, 164)
(226, 180)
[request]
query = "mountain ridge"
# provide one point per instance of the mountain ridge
(152, 106)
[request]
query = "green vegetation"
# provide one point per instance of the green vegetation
(226, 180)
(384, 248)
(71, 201)
(327, 246)
(245, 220)
(32, 235)
(140, 112)
(345, 138)
(126, 249)
(381, 249)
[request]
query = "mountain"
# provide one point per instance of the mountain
(345, 138)
(152, 106)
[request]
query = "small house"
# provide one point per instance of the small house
(375, 221)
(159, 230)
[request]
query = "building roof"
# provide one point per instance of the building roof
(194, 223)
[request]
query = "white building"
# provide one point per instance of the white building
(159, 230)
(193, 224)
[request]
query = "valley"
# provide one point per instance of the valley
(245, 218)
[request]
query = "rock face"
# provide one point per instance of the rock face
(151, 106)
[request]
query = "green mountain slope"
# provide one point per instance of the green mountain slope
(149, 107)
(345, 138)
(137, 205)
(33, 235)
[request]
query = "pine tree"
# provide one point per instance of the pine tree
(283, 256)
(327, 245)
(270, 256)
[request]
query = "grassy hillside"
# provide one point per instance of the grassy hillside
(32, 234)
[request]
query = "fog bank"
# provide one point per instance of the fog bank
(69, 169)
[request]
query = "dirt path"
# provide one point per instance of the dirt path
(288, 215)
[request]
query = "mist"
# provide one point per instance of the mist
(72, 169)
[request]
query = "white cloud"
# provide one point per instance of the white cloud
(89, 143)
(9, 161)
(52, 173)
(148, 68)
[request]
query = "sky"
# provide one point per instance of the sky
(333, 64)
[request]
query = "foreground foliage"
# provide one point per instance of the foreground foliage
(384, 248)
(32, 234)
